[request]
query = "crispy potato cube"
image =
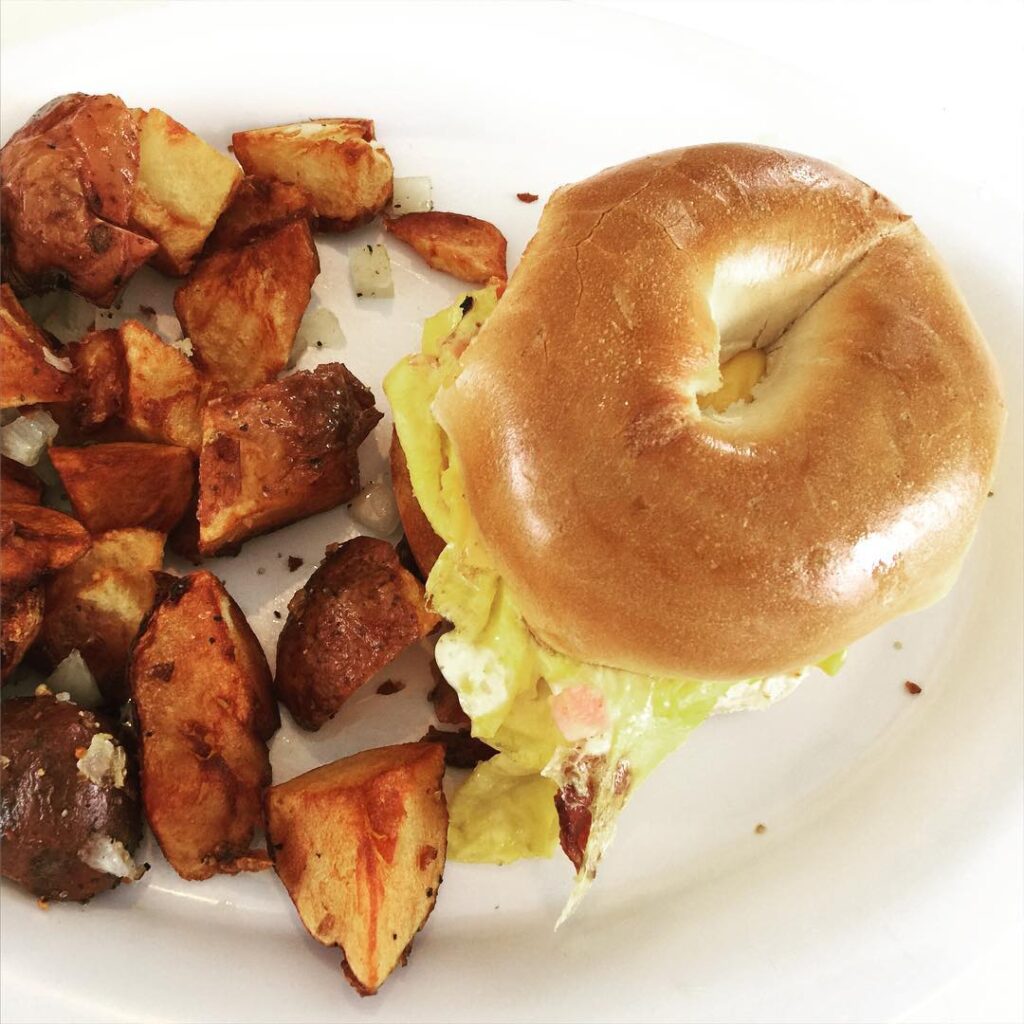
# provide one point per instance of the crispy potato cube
(370, 268)
(469, 249)
(259, 207)
(19, 484)
(335, 159)
(356, 614)
(100, 381)
(127, 484)
(202, 694)
(424, 543)
(19, 626)
(27, 376)
(280, 452)
(360, 846)
(36, 541)
(66, 183)
(163, 394)
(96, 605)
(183, 186)
(241, 308)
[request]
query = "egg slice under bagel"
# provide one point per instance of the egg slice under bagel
(730, 415)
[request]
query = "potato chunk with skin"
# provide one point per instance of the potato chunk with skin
(424, 543)
(183, 186)
(334, 158)
(19, 626)
(467, 248)
(18, 483)
(259, 207)
(100, 383)
(127, 484)
(96, 605)
(356, 614)
(241, 308)
(360, 846)
(36, 541)
(280, 452)
(201, 687)
(27, 377)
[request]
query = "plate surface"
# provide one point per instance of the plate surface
(893, 845)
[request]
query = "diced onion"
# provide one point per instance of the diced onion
(105, 762)
(370, 267)
(27, 437)
(319, 329)
(72, 676)
(375, 509)
(102, 853)
(61, 363)
(411, 195)
(184, 346)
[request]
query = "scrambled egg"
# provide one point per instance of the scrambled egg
(558, 723)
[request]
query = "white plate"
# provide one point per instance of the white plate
(893, 848)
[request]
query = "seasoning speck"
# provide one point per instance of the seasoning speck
(897, 646)
(912, 688)
(760, 828)
(526, 197)
(277, 615)
(261, 571)
(294, 562)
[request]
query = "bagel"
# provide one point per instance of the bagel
(638, 530)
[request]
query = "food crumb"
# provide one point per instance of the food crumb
(991, 494)
(526, 197)
(147, 310)
(277, 614)
(760, 828)
(897, 646)
(40, 772)
(294, 562)
(261, 571)
(390, 686)
(43, 904)
(912, 688)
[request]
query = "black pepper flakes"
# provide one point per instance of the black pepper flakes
(294, 562)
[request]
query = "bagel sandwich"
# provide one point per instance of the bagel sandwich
(730, 415)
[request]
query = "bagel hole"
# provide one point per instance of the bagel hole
(741, 373)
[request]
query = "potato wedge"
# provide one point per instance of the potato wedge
(280, 452)
(360, 846)
(356, 614)
(67, 179)
(27, 376)
(467, 248)
(259, 207)
(127, 484)
(335, 159)
(19, 626)
(424, 543)
(202, 694)
(19, 484)
(183, 186)
(36, 541)
(241, 308)
(96, 605)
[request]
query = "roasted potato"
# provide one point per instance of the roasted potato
(19, 484)
(101, 383)
(127, 484)
(335, 159)
(202, 694)
(356, 614)
(183, 186)
(69, 811)
(360, 846)
(96, 605)
(280, 452)
(424, 543)
(259, 207)
(21, 618)
(67, 181)
(241, 308)
(36, 541)
(469, 249)
(30, 372)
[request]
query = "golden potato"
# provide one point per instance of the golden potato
(18, 483)
(100, 383)
(26, 375)
(96, 605)
(241, 308)
(67, 179)
(335, 159)
(424, 543)
(259, 207)
(201, 687)
(467, 248)
(183, 186)
(36, 541)
(356, 614)
(360, 846)
(127, 484)
(280, 452)
(19, 626)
